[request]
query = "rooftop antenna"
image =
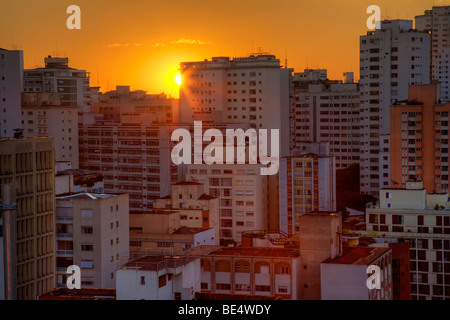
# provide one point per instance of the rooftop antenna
(286, 60)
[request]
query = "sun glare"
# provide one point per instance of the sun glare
(178, 79)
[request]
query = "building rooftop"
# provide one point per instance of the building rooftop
(322, 213)
(359, 256)
(206, 197)
(157, 211)
(156, 263)
(78, 172)
(258, 252)
(187, 183)
(86, 195)
(188, 230)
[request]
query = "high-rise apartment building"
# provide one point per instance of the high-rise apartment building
(28, 166)
(413, 215)
(44, 116)
(420, 139)
(128, 141)
(306, 183)
(436, 22)
(252, 90)
(57, 77)
(242, 193)
(11, 86)
(391, 58)
(327, 111)
(92, 233)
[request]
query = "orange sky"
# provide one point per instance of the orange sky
(141, 42)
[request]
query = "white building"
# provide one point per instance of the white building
(252, 90)
(72, 84)
(242, 193)
(158, 278)
(346, 277)
(44, 116)
(437, 21)
(391, 58)
(11, 85)
(92, 233)
(327, 111)
(423, 220)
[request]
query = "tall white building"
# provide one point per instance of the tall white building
(72, 84)
(44, 116)
(327, 111)
(92, 233)
(11, 86)
(252, 90)
(437, 22)
(391, 58)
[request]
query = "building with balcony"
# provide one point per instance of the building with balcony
(44, 116)
(327, 111)
(28, 232)
(307, 182)
(412, 215)
(92, 232)
(242, 193)
(252, 271)
(420, 139)
(57, 77)
(391, 58)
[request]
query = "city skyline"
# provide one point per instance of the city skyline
(141, 44)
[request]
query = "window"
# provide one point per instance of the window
(162, 280)
(86, 213)
(87, 264)
(87, 247)
(86, 230)
(142, 281)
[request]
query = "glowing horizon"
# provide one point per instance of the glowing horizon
(132, 43)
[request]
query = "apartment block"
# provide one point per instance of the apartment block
(252, 271)
(133, 156)
(327, 111)
(27, 165)
(346, 277)
(420, 139)
(242, 193)
(11, 77)
(306, 183)
(251, 90)
(436, 22)
(44, 116)
(391, 58)
(92, 233)
(419, 218)
(57, 77)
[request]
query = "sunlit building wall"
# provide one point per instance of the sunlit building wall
(28, 165)
(391, 58)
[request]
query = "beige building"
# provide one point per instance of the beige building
(44, 116)
(319, 240)
(252, 271)
(422, 219)
(92, 233)
(307, 182)
(28, 166)
(242, 193)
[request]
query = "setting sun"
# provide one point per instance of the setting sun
(178, 79)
